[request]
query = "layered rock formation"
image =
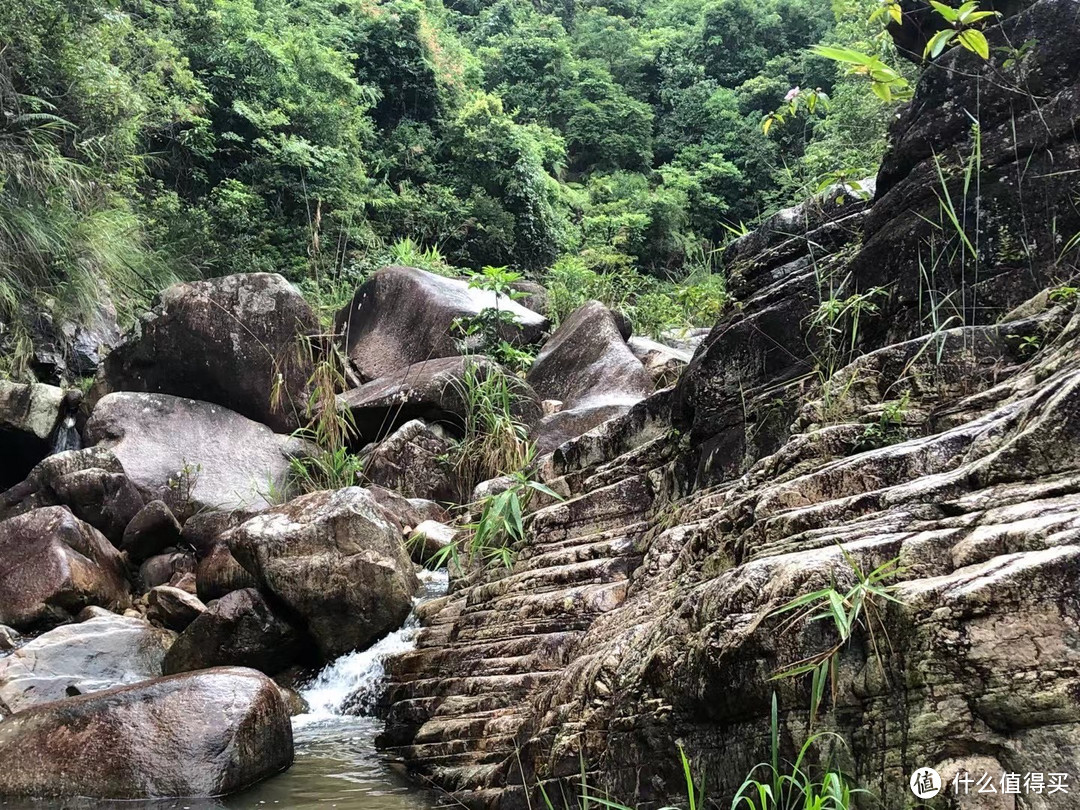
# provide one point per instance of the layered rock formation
(641, 610)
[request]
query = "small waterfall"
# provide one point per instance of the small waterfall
(351, 684)
(66, 436)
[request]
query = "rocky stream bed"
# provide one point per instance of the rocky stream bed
(165, 600)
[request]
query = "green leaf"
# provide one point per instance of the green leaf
(938, 42)
(950, 14)
(975, 41)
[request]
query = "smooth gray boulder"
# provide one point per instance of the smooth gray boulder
(192, 455)
(206, 733)
(587, 366)
(334, 560)
(230, 340)
(240, 629)
(402, 315)
(52, 565)
(77, 659)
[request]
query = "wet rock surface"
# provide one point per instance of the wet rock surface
(52, 565)
(149, 741)
(333, 560)
(77, 659)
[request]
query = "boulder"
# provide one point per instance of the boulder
(402, 316)
(405, 513)
(431, 391)
(533, 296)
(28, 417)
(413, 462)
(52, 565)
(230, 340)
(240, 629)
(588, 366)
(162, 568)
(108, 501)
(9, 638)
(192, 455)
(172, 607)
(198, 734)
(77, 659)
(663, 362)
(185, 582)
(332, 559)
(150, 532)
(90, 482)
(204, 530)
(218, 573)
(428, 539)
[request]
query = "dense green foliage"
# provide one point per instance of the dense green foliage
(142, 141)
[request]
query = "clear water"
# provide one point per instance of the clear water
(336, 761)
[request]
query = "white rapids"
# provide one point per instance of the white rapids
(351, 685)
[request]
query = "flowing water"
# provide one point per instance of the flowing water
(336, 761)
(66, 436)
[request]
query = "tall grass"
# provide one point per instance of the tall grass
(494, 441)
(66, 239)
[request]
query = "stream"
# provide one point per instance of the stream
(336, 763)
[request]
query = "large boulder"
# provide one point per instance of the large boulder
(52, 565)
(28, 416)
(192, 455)
(199, 734)
(587, 366)
(90, 482)
(401, 316)
(413, 462)
(434, 391)
(76, 659)
(240, 629)
(333, 560)
(231, 341)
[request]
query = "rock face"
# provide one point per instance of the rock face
(77, 659)
(641, 610)
(145, 741)
(412, 462)
(401, 316)
(52, 565)
(432, 391)
(224, 340)
(239, 629)
(588, 366)
(192, 455)
(334, 561)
